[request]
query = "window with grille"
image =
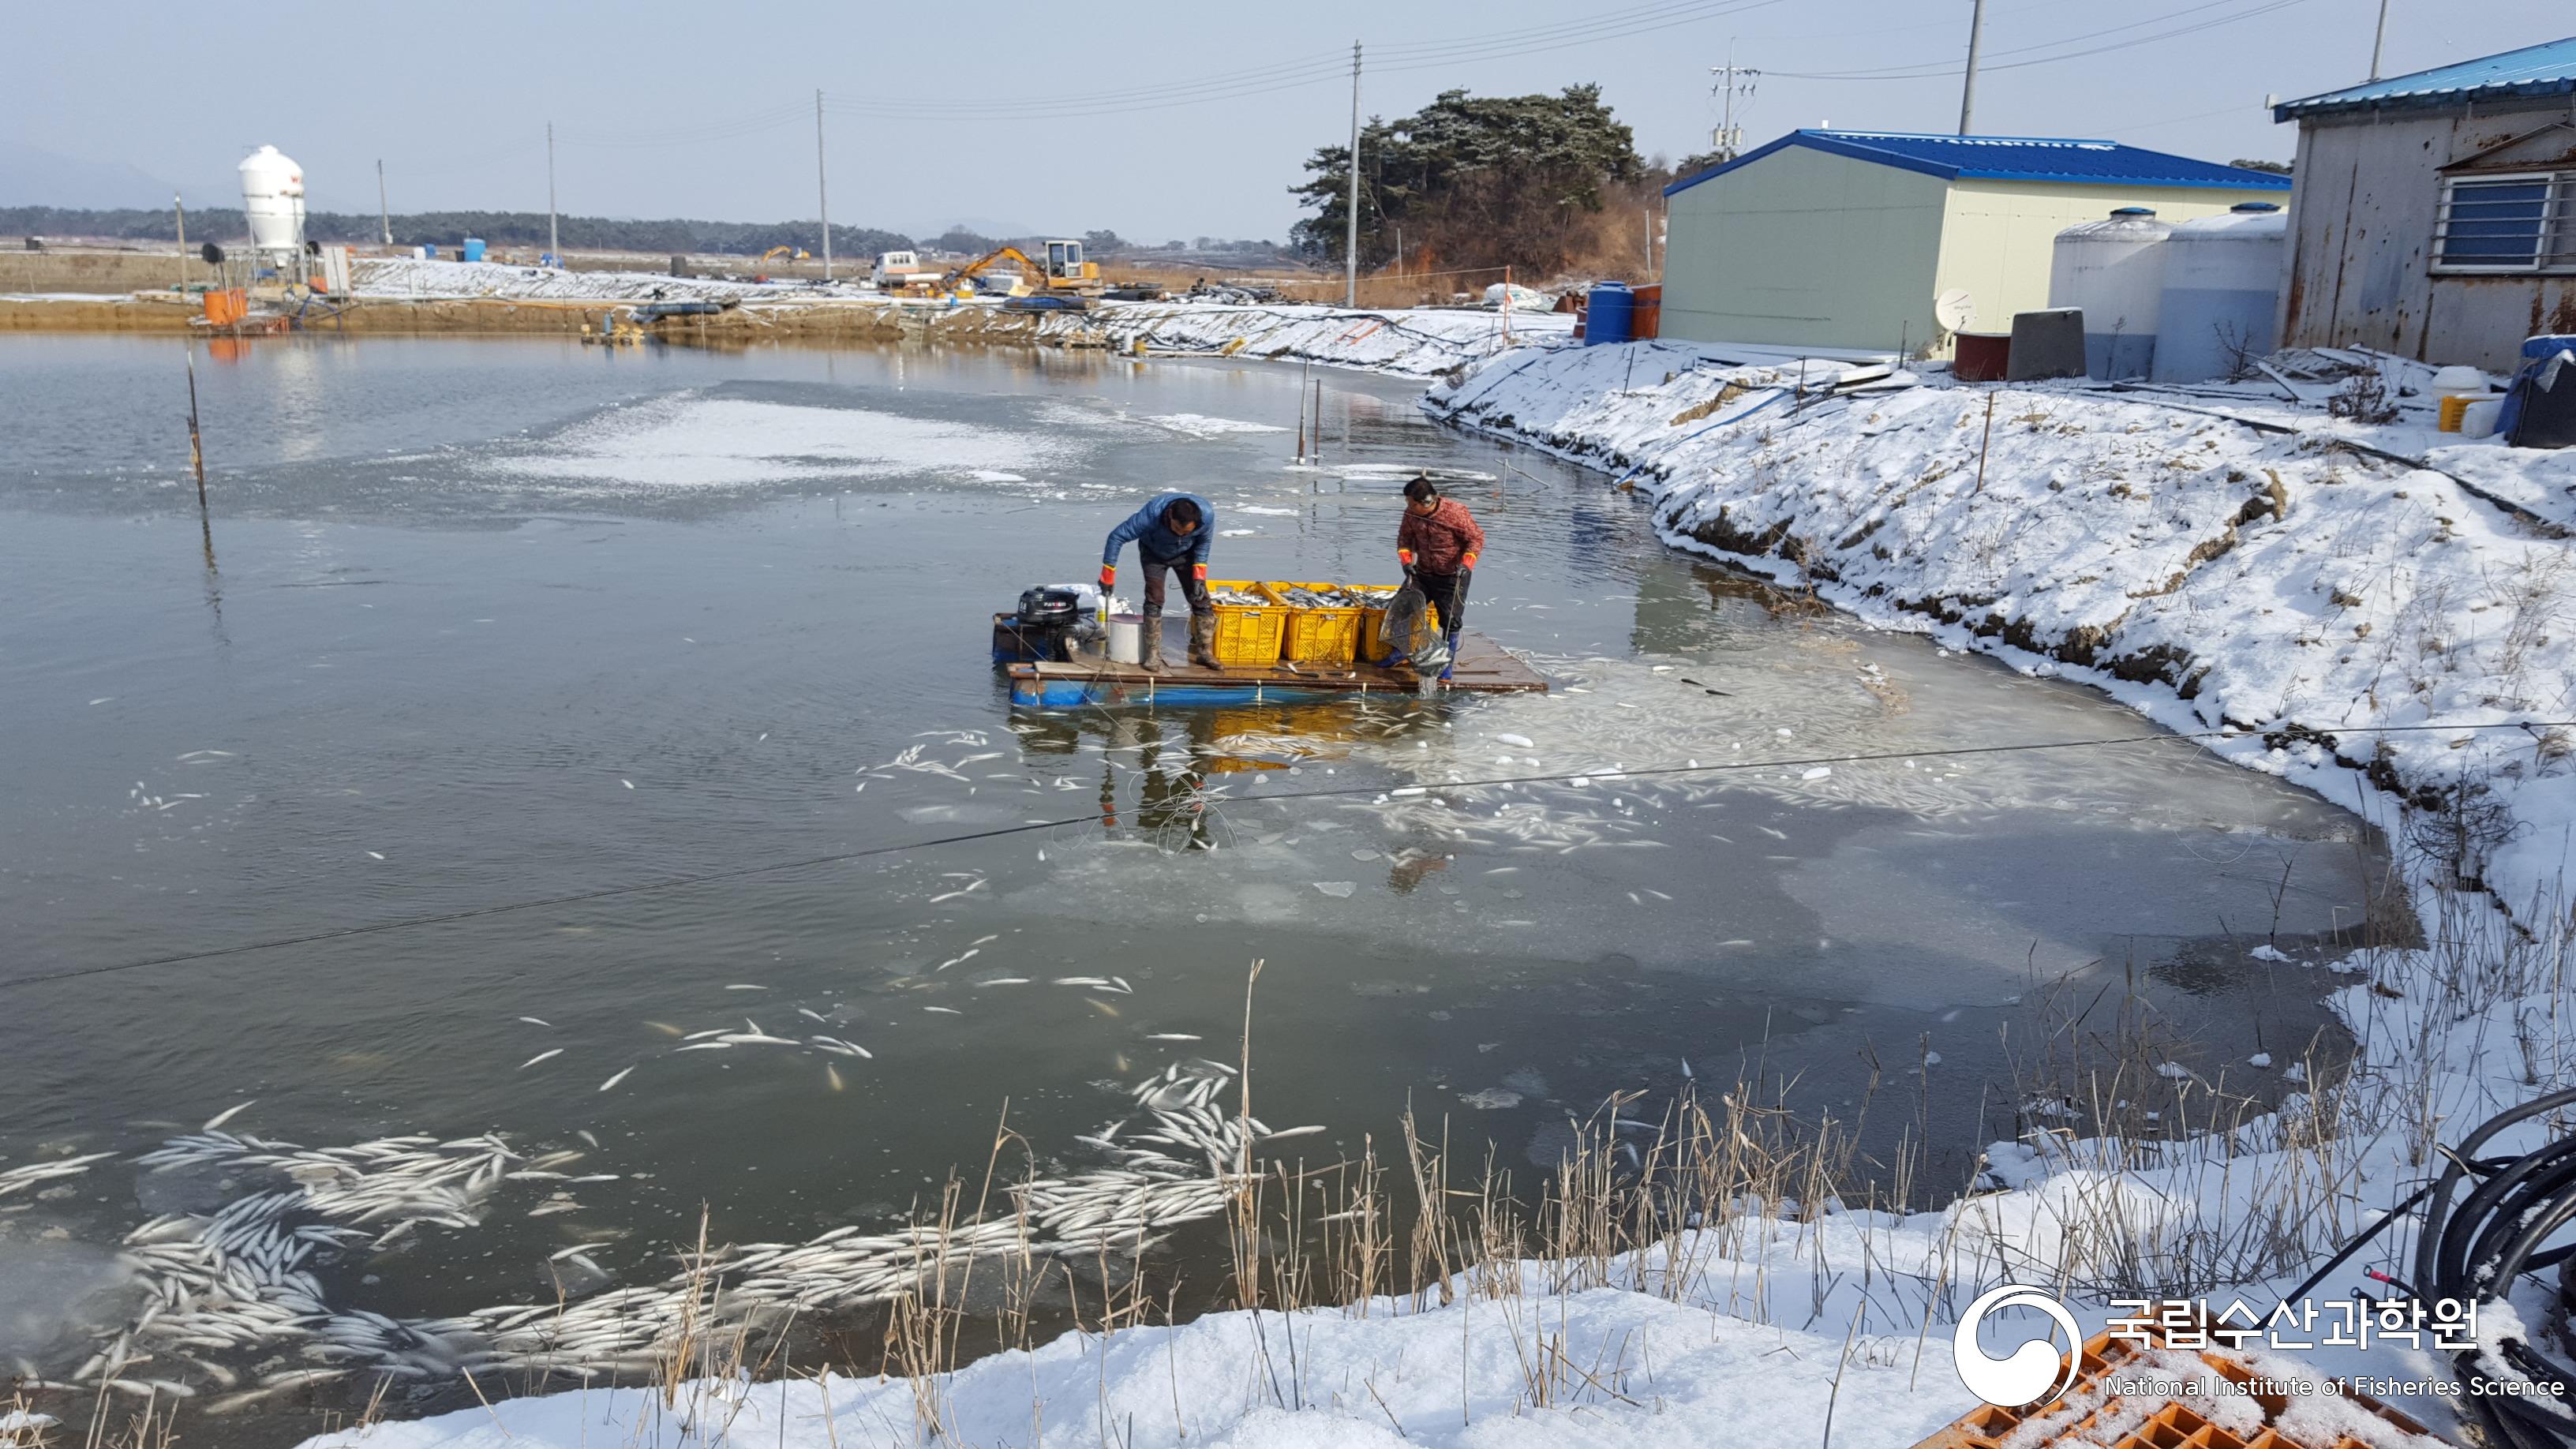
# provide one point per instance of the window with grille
(2524, 222)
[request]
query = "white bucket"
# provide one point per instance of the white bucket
(1126, 638)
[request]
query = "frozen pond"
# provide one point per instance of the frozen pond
(477, 623)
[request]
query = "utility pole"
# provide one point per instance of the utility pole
(2379, 41)
(554, 238)
(1726, 141)
(384, 212)
(822, 184)
(1968, 86)
(1351, 229)
(182, 211)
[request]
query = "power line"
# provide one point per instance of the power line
(342, 933)
(1935, 70)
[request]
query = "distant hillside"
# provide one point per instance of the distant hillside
(447, 228)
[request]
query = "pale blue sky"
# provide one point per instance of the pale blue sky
(664, 109)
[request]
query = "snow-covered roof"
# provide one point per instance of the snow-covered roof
(2546, 69)
(2012, 158)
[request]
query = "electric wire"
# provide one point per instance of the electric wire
(338, 933)
(1931, 71)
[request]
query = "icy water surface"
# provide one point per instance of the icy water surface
(483, 623)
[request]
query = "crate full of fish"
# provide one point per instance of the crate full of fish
(1332, 623)
(1249, 623)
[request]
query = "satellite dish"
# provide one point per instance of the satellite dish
(1954, 310)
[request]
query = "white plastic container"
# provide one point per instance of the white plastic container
(2479, 419)
(1126, 638)
(2222, 287)
(2113, 271)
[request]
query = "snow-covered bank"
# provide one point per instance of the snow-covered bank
(1403, 343)
(1395, 341)
(400, 277)
(2216, 559)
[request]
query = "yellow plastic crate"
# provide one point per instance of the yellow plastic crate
(1318, 635)
(1247, 634)
(1373, 625)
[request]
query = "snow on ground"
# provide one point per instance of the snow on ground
(399, 277)
(1402, 342)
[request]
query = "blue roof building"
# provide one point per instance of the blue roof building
(2435, 214)
(1843, 241)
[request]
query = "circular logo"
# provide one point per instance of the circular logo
(2030, 1373)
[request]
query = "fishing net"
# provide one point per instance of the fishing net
(1407, 632)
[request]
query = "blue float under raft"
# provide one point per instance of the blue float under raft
(1482, 667)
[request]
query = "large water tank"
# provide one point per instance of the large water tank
(2222, 285)
(273, 198)
(2114, 269)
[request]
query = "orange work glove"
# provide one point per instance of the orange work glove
(1198, 573)
(1108, 576)
(1404, 556)
(1471, 561)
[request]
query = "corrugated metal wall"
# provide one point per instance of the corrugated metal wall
(2359, 267)
(1805, 249)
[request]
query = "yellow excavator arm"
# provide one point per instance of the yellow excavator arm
(1063, 271)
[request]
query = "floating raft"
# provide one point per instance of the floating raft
(1482, 667)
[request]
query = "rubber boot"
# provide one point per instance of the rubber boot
(1203, 640)
(1149, 648)
(1451, 639)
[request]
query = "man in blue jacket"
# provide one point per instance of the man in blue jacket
(1172, 531)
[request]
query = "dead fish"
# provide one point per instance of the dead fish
(534, 1021)
(745, 986)
(706, 1046)
(541, 1056)
(832, 1074)
(613, 1081)
(1291, 1132)
(809, 1011)
(1005, 981)
(944, 1010)
(1173, 1036)
(664, 1027)
(226, 1115)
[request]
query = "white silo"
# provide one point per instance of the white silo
(273, 199)
(2114, 269)
(2222, 286)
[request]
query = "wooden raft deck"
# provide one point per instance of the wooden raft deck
(1483, 667)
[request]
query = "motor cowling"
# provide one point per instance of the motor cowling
(1049, 604)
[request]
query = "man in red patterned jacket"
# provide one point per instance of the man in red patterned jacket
(1438, 543)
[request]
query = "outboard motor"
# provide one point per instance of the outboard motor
(1056, 605)
(1046, 622)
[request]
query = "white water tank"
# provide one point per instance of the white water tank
(273, 199)
(2113, 269)
(2222, 288)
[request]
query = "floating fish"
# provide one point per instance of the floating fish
(613, 1081)
(226, 1115)
(535, 1021)
(541, 1056)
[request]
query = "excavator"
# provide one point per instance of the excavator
(791, 253)
(1063, 274)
